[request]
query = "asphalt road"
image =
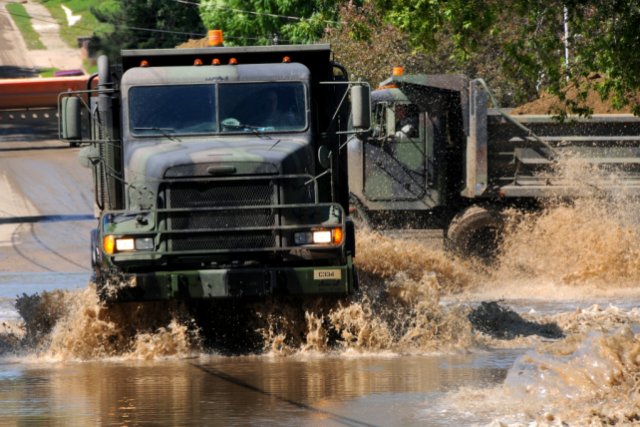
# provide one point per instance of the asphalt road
(46, 198)
(14, 59)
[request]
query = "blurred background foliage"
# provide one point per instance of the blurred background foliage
(517, 46)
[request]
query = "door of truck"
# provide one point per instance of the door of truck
(395, 163)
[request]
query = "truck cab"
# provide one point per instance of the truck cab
(401, 172)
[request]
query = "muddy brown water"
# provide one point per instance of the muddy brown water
(214, 390)
(339, 387)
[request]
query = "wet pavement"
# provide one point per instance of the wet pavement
(14, 57)
(46, 207)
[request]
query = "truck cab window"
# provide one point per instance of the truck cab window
(379, 120)
(262, 106)
(154, 110)
(407, 121)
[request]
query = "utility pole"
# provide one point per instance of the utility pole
(566, 41)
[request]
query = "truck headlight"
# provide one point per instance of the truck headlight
(334, 236)
(323, 236)
(124, 244)
(144, 243)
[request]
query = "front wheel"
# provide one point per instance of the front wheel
(476, 232)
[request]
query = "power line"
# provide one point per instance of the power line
(31, 16)
(90, 29)
(254, 13)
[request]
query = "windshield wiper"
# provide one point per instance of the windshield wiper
(162, 131)
(254, 129)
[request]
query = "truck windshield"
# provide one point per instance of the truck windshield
(266, 107)
(191, 109)
(165, 110)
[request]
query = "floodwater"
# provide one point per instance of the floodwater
(424, 347)
(214, 390)
(352, 386)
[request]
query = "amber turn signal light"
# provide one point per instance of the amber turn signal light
(109, 244)
(338, 236)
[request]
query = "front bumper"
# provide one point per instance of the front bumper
(228, 283)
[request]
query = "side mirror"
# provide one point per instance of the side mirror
(324, 156)
(71, 125)
(361, 107)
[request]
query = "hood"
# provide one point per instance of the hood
(157, 161)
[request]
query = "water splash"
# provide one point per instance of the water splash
(73, 325)
(588, 241)
(405, 316)
(584, 380)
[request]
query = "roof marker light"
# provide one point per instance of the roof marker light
(398, 71)
(144, 64)
(215, 61)
(215, 37)
(286, 59)
(233, 61)
(197, 62)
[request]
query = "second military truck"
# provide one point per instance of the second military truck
(439, 158)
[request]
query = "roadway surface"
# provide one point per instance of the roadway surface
(14, 57)
(46, 198)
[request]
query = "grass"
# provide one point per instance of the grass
(23, 22)
(47, 72)
(86, 26)
(90, 69)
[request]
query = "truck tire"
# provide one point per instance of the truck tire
(475, 232)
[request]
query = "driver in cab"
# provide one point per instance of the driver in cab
(273, 117)
(407, 122)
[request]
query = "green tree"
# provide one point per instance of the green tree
(603, 39)
(154, 14)
(369, 47)
(259, 29)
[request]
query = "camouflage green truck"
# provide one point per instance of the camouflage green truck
(218, 172)
(439, 158)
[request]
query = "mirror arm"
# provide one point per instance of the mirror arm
(319, 176)
(358, 83)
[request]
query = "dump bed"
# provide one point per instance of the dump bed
(508, 160)
(477, 152)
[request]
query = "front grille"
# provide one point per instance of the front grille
(202, 242)
(221, 194)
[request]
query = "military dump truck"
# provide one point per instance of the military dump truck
(218, 173)
(439, 158)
